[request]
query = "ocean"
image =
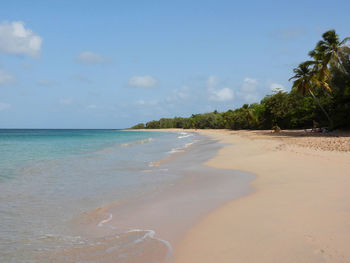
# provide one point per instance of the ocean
(103, 195)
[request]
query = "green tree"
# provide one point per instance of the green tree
(329, 51)
(138, 126)
(326, 78)
(152, 125)
(276, 110)
(306, 81)
(340, 83)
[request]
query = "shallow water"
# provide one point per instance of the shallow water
(49, 176)
(106, 196)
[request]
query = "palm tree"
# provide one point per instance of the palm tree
(306, 80)
(320, 63)
(330, 51)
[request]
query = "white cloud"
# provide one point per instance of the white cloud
(66, 101)
(4, 106)
(212, 81)
(6, 78)
(147, 103)
(16, 39)
(90, 58)
(249, 90)
(142, 82)
(249, 84)
(221, 94)
(180, 94)
(276, 86)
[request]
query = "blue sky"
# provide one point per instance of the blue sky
(111, 64)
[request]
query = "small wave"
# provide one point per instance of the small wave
(125, 247)
(176, 150)
(137, 142)
(188, 144)
(180, 149)
(104, 221)
(55, 237)
(185, 136)
(153, 164)
(151, 234)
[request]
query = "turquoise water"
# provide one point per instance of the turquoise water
(48, 177)
(19, 147)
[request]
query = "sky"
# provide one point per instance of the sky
(112, 64)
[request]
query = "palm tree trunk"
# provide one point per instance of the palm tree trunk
(324, 111)
(341, 65)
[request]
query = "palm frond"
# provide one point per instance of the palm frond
(344, 41)
(326, 86)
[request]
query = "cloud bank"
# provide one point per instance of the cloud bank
(249, 90)
(223, 94)
(90, 58)
(6, 78)
(142, 82)
(16, 39)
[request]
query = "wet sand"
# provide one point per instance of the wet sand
(299, 211)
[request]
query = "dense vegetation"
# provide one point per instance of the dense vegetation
(321, 92)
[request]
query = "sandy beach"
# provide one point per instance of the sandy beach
(235, 196)
(299, 211)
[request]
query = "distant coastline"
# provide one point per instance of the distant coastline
(319, 98)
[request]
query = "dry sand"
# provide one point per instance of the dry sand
(299, 212)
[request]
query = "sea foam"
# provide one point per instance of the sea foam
(101, 223)
(151, 234)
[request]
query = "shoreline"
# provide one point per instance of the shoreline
(299, 211)
(162, 217)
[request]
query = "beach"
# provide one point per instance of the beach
(147, 228)
(174, 132)
(299, 210)
(178, 196)
(107, 195)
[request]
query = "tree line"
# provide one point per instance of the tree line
(320, 92)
